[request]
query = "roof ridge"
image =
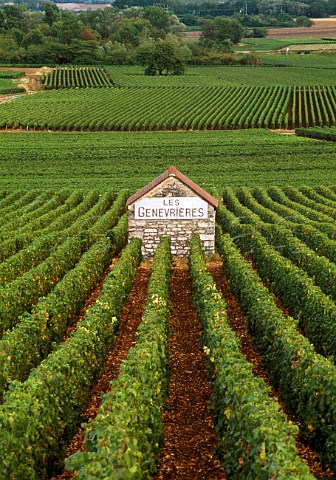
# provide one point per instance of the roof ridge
(173, 172)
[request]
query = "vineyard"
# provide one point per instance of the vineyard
(108, 161)
(65, 279)
(7, 86)
(277, 70)
(111, 160)
(219, 367)
(293, 94)
(76, 77)
(187, 108)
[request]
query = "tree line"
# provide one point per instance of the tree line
(150, 36)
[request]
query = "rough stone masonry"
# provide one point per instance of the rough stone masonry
(172, 205)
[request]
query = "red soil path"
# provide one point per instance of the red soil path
(189, 433)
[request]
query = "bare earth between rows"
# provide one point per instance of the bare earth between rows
(239, 323)
(189, 433)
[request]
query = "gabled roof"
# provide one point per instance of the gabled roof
(173, 172)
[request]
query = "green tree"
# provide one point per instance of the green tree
(18, 35)
(158, 17)
(68, 28)
(222, 29)
(9, 49)
(303, 21)
(12, 17)
(34, 37)
(316, 10)
(128, 31)
(100, 21)
(162, 58)
(51, 12)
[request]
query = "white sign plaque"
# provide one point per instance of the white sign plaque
(170, 208)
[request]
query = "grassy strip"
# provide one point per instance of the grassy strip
(123, 441)
(307, 381)
(256, 439)
(30, 342)
(41, 414)
(12, 74)
(8, 91)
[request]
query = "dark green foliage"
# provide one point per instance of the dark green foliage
(307, 381)
(325, 133)
(123, 441)
(162, 58)
(222, 29)
(41, 414)
(256, 440)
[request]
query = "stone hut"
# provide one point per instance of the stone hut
(172, 205)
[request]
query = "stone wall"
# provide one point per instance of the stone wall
(180, 231)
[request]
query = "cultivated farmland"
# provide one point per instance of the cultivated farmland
(227, 97)
(109, 160)
(220, 367)
(59, 254)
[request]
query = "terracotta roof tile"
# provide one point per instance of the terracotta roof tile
(172, 171)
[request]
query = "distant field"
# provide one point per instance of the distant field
(277, 38)
(189, 108)
(321, 28)
(275, 44)
(116, 160)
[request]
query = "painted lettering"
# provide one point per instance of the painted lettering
(183, 208)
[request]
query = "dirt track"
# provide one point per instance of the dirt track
(31, 82)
